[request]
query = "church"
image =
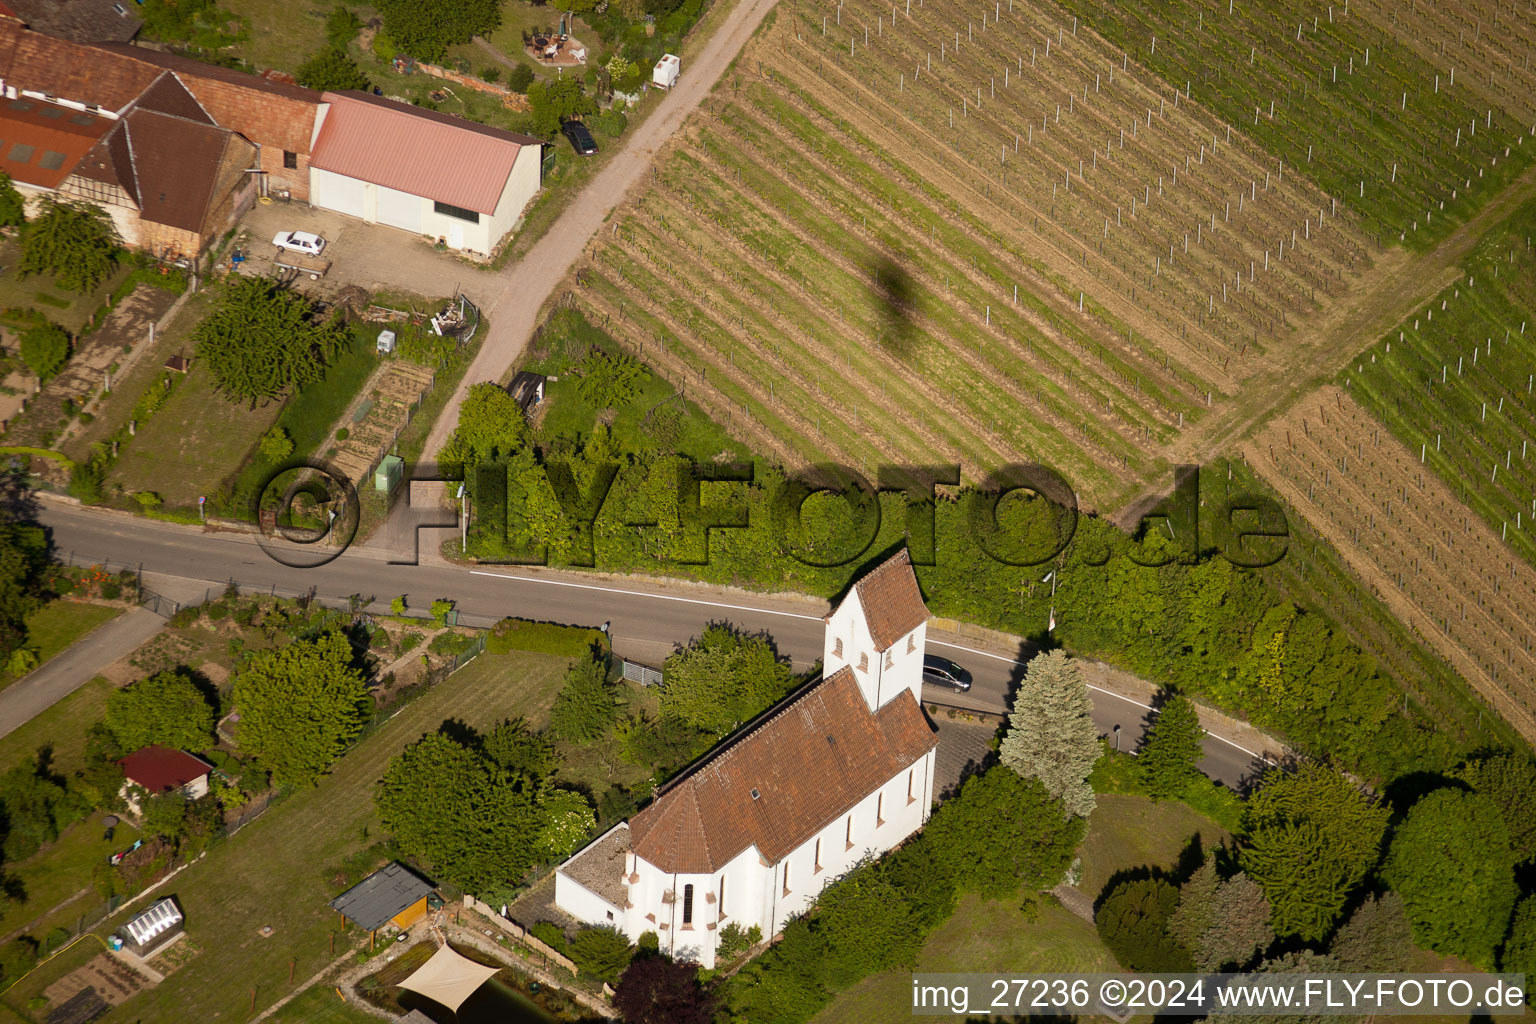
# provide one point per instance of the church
(840, 770)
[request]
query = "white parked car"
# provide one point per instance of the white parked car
(306, 242)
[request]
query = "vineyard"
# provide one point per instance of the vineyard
(1371, 104)
(966, 233)
(1454, 384)
(1444, 572)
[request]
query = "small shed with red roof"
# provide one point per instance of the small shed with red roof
(159, 770)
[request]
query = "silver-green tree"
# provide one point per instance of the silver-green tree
(1223, 922)
(1050, 734)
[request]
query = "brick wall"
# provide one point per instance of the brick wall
(166, 241)
(273, 121)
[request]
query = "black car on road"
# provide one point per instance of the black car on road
(581, 139)
(939, 671)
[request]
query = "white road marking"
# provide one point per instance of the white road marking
(1100, 689)
(640, 593)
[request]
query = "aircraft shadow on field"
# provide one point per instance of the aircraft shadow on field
(892, 293)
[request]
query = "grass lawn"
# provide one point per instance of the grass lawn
(1131, 831)
(60, 728)
(283, 35)
(45, 296)
(981, 935)
(59, 871)
(127, 388)
(517, 16)
(193, 443)
(321, 1005)
(58, 624)
(283, 869)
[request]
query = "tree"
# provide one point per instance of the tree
(567, 821)
(491, 425)
(1376, 938)
(1222, 922)
(658, 990)
(516, 748)
(601, 952)
(1168, 758)
(520, 78)
(13, 206)
(23, 557)
(454, 810)
(722, 679)
(553, 101)
(332, 68)
(166, 709)
(1133, 922)
(45, 349)
(397, 605)
(1308, 840)
(585, 707)
(165, 815)
(34, 808)
(75, 243)
(300, 706)
(439, 610)
(1002, 834)
(1508, 778)
(425, 31)
(1051, 736)
(276, 445)
(263, 339)
(1519, 954)
(1451, 861)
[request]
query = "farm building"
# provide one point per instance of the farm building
(80, 21)
(106, 79)
(841, 770)
(159, 770)
(147, 932)
(393, 895)
(384, 162)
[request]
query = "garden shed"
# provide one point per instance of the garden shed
(393, 895)
(152, 929)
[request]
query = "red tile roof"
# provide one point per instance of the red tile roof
(162, 769)
(74, 71)
(40, 143)
(810, 760)
(443, 158)
(893, 604)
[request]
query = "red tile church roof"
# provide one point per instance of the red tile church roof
(809, 761)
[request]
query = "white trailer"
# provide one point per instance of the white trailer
(664, 76)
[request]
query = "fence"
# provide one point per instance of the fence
(645, 675)
(517, 931)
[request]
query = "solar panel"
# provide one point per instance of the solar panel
(51, 161)
(82, 119)
(21, 104)
(21, 153)
(51, 112)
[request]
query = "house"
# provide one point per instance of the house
(79, 21)
(462, 183)
(146, 933)
(276, 117)
(393, 895)
(750, 835)
(172, 179)
(159, 770)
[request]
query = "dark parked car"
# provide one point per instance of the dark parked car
(939, 671)
(581, 139)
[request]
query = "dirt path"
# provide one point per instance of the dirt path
(532, 280)
(1382, 298)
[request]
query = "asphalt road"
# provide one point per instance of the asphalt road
(646, 617)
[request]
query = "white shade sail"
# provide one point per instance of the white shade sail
(448, 978)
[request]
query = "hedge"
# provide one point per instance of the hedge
(542, 638)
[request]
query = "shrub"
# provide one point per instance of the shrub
(520, 78)
(610, 124)
(490, 74)
(542, 638)
(343, 434)
(45, 349)
(217, 611)
(17, 957)
(736, 940)
(601, 952)
(549, 934)
(1133, 922)
(384, 47)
